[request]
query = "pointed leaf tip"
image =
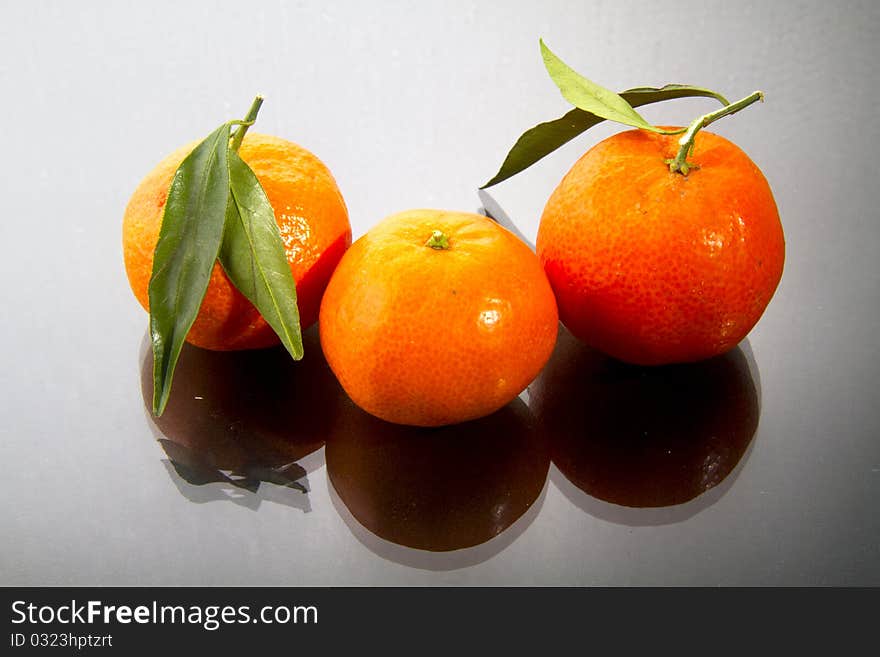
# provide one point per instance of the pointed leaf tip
(589, 96)
(189, 240)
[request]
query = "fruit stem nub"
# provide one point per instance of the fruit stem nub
(245, 123)
(438, 240)
(679, 163)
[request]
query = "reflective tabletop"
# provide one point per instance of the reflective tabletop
(758, 467)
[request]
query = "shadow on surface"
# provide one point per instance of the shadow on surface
(237, 421)
(647, 446)
(465, 491)
(489, 207)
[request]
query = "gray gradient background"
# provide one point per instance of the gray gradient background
(414, 105)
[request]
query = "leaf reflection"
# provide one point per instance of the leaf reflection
(245, 418)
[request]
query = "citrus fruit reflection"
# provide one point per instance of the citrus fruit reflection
(645, 437)
(245, 417)
(437, 489)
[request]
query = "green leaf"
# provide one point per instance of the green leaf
(538, 142)
(639, 96)
(253, 255)
(545, 138)
(189, 240)
(588, 95)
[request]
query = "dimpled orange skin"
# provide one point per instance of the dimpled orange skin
(312, 219)
(654, 267)
(431, 337)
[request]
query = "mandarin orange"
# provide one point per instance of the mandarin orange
(312, 218)
(654, 267)
(435, 317)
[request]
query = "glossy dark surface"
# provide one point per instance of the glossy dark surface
(645, 437)
(438, 489)
(758, 468)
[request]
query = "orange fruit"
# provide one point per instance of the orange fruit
(655, 267)
(312, 219)
(431, 336)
